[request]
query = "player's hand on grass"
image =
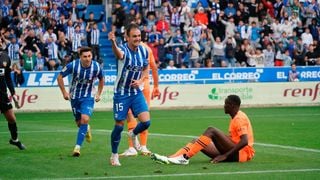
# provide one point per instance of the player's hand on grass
(219, 159)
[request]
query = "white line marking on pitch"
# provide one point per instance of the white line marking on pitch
(180, 136)
(201, 174)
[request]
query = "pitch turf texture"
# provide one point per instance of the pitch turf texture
(287, 146)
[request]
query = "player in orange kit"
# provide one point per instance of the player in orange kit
(237, 147)
(142, 146)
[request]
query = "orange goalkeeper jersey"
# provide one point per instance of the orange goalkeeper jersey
(241, 125)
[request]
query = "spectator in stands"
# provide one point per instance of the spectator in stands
(314, 29)
(18, 77)
(230, 50)
(201, 16)
(49, 34)
(171, 65)
(95, 43)
(194, 51)
(118, 19)
(253, 12)
(287, 60)
(311, 56)
(74, 11)
(92, 20)
(162, 25)
(299, 53)
(208, 63)
(280, 50)
(218, 52)
(162, 61)
(294, 75)
(241, 56)
(175, 20)
(269, 56)
(306, 37)
(13, 51)
(177, 56)
(29, 58)
(41, 63)
(51, 52)
(55, 12)
(76, 41)
(184, 11)
(230, 11)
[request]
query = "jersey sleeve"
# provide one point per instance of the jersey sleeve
(241, 126)
(100, 74)
(67, 69)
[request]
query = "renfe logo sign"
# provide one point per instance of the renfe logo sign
(303, 92)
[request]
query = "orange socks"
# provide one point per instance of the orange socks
(183, 150)
(144, 137)
(201, 143)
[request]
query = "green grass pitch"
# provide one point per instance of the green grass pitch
(287, 146)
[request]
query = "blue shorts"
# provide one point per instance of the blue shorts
(122, 104)
(82, 106)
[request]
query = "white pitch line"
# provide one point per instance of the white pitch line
(199, 174)
(180, 136)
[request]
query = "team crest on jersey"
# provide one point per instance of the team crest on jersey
(64, 69)
(2, 71)
(134, 68)
(4, 63)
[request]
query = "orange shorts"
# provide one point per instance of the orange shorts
(244, 156)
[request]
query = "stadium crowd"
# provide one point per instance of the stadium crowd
(45, 35)
(213, 33)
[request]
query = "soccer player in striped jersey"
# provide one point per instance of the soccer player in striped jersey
(132, 69)
(82, 93)
(132, 123)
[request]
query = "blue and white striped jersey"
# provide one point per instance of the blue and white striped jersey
(130, 68)
(82, 79)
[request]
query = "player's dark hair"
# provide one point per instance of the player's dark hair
(234, 99)
(131, 26)
(85, 49)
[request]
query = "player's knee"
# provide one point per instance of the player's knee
(210, 131)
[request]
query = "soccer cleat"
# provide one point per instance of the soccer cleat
(129, 152)
(114, 160)
(159, 158)
(18, 144)
(145, 151)
(76, 151)
(180, 160)
(88, 135)
(135, 140)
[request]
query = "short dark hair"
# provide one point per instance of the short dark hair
(131, 26)
(234, 99)
(85, 49)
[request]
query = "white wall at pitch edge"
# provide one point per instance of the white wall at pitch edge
(180, 96)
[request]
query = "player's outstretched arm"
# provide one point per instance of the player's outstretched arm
(116, 50)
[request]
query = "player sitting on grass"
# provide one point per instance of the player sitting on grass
(237, 147)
